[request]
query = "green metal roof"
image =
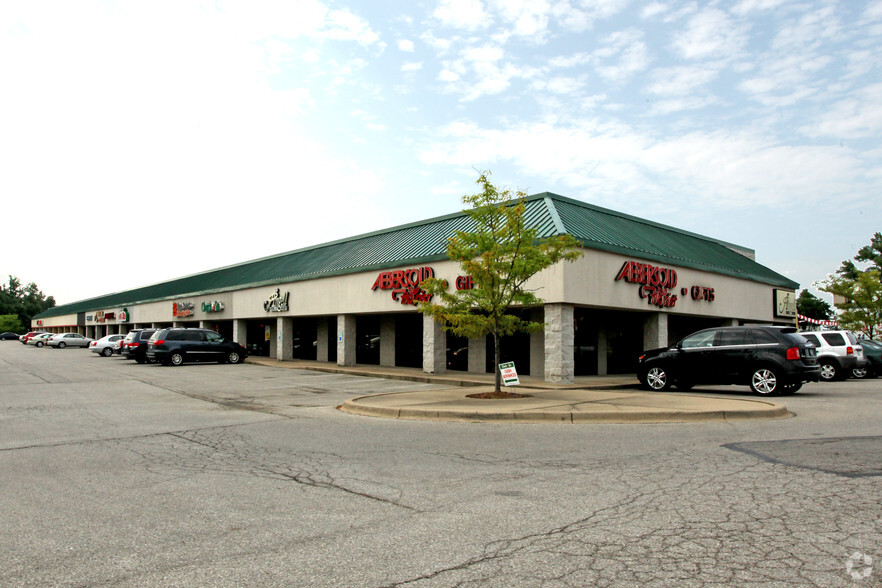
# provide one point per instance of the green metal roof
(424, 241)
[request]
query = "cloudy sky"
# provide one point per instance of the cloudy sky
(143, 141)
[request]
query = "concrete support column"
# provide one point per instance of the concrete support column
(602, 353)
(434, 346)
(284, 338)
(655, 331)
(560, 365)
(321, 339)
(240, 332)
(730, 323)
(387, 341)
(176, 324)
(537, 345)
(478, 355)
(346, 339)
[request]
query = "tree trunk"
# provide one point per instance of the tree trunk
(496, 363)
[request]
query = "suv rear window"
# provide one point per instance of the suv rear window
(834, 339)
(764, 337)
(734, 337)
(812, 339)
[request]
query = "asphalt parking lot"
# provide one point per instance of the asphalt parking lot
(123, 474)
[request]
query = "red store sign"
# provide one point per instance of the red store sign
(405, 284)
(656, 283)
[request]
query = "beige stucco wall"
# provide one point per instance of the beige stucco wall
(590, 281)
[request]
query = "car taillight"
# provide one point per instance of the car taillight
(849, 350)
(793, 353)
(157, 342)
(93, 343)
(134, 344)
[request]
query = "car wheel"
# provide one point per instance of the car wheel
(176, 358)
(859, 373)
(62, 345)
(234, 357)
(765, 382)
(39, 344)
(658, 379)
(107, 352)
(829, 371)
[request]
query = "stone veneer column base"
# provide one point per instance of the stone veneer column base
(560, 366)
(434, 347)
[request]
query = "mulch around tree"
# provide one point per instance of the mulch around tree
(496, 395)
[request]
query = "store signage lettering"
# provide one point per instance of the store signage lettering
(123, 315)
(785, 303)
(656, 283)
(183, 309)
(99, 316)
(40, 323)
(212, 306)
(277, 302)
(89, 318)
(405, 284)
(465, 283)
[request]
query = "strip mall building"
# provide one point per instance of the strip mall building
(639, 285)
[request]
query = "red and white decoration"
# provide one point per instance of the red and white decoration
(811, 321)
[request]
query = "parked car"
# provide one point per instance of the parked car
(40, 340)
(135, 344)
(105, 346)
(873, 355)
(9, 336)
(63, 340)
(177, 345)
(771, 360)
(29, 335)
(839, 352)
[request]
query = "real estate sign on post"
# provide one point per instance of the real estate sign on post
(509, 374)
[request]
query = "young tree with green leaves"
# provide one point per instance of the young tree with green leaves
(501, 253)
(858, 292)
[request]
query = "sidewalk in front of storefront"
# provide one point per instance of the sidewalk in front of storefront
(591, 399)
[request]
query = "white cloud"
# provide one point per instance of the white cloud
(730, 170)
(412, 66)
(680, 81)
(857, 117)
(622, 55)
(405, 45)
(529, 17)
(710, 33)
(462, 14)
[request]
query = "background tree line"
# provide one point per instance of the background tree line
(857, 292)
(18, 305)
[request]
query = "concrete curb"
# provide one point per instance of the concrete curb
(403, 406)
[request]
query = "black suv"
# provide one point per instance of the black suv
(771, 360)
(177, 345)
(134, 346)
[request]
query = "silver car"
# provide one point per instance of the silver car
(106, 346)
(63, 340)
(40, 340)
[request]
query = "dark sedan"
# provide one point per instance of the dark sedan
(771, 360)
(9, 336)
(873, 354)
